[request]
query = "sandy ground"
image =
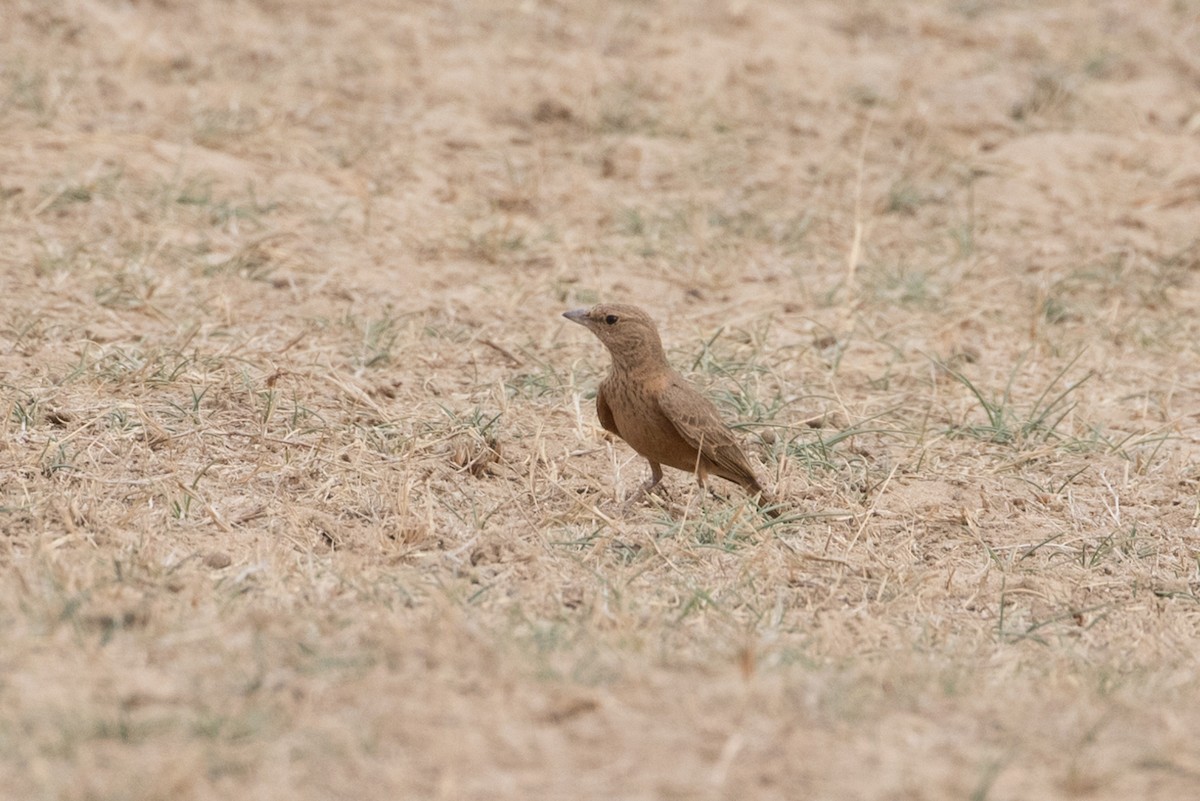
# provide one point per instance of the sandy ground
(303, 493)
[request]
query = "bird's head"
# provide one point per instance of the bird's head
(627, 331)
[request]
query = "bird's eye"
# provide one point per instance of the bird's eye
(611, 319)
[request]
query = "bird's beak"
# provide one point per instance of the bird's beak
(577, 316)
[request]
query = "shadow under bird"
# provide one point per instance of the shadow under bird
(645, 402)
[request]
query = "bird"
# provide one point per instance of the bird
(649, 405)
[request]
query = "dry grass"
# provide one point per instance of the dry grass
(302, 491)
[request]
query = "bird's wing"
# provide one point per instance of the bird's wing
(699, 423)
(605, 413)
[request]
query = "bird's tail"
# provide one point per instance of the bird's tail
(764, 498)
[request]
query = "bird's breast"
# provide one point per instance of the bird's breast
(643, 425)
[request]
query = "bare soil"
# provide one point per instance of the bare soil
(302, 494)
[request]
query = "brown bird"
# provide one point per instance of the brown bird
(649, 405)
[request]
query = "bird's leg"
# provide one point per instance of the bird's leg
(702, 475)
(704, 487)
(702, 480)
(656, 475)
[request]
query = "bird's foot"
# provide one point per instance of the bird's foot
(643, 492)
